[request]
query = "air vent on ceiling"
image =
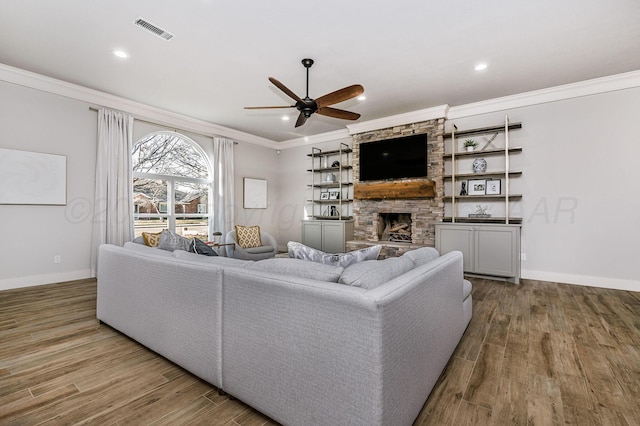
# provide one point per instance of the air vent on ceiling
(143, 23)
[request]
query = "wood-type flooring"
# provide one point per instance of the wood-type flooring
(537, 353)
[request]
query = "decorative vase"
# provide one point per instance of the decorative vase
(325, 162)
(331, 178)
(470, 148)
(479, 165)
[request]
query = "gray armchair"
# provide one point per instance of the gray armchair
(267, 250)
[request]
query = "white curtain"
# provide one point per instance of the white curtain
(113, 205)
(223, 183)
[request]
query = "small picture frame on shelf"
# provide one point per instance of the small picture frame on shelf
(334, 195)
(493, 187)
(324, 195)
(476, 186)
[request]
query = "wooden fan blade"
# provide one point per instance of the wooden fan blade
(270, 107)
(301, 120)
(340, 95)
(284, 89)
(338, 113)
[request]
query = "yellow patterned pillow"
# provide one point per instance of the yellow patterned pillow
(152, 240)
(248, 236)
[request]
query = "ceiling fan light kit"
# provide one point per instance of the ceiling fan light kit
(308, 106)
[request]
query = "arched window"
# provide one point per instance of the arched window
(171, 186)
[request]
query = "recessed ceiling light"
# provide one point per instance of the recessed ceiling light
(121, 54)
(286, 118)
(362, 97)
(480, 67)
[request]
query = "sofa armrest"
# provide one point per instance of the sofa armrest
(173, 307)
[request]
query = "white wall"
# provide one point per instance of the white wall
(257, 162)
(32, 120)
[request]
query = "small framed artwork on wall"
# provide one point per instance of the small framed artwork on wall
(477, 186)
(324, 195)
(493, 187)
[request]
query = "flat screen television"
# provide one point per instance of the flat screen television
(404, 157)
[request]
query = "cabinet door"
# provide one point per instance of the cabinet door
(312, 234)
(496, 251)
(449, 238)
(333, 237)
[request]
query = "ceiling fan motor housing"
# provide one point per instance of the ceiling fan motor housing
(307, 106)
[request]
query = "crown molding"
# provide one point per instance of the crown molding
(595, 86)
(138, 110)
(399, 119)
(333, 136)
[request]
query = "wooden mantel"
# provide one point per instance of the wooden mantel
(394, 190)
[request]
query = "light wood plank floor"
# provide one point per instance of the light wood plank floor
(534, 354)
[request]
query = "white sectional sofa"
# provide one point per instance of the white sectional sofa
(286, 336)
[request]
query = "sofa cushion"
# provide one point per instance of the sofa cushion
(171, 241)
(300, 251)
(248, 236)
(261, 249)
(216, 260)
(198, 246)
(372, 273)
(143, 248)
(151, 239)
(299, 268)
(422, 255)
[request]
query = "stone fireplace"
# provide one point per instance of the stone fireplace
(414, 218)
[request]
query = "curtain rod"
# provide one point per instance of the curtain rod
(165, 126)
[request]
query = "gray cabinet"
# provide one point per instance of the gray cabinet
(327, 235)
(488, 250)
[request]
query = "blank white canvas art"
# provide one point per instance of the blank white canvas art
(32, 178)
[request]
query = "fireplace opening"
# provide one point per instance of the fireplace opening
(395, 227)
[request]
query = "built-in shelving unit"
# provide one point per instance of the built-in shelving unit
(331, 184)
(490, 243)
(504, 174)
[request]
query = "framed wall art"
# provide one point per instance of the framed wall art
(476, 186)
(255, 193)
(32, 178)
(493, 187)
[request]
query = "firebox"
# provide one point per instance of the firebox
(395, 227)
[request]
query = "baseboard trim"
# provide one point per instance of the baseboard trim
(34, 280)
(585, 280)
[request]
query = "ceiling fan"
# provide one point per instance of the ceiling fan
(308, 106)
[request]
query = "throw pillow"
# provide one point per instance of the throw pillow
(199, 247)
(300, 251)
(248, 236)
(171, 241)
(151, 239)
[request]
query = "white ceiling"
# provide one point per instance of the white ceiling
(409, 55)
